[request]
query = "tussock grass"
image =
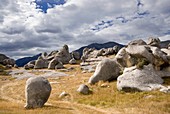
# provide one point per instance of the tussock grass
(103, 98)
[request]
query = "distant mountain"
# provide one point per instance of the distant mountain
(99, 46)
(164, 44)
(21, 62)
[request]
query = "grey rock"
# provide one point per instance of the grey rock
(40, 63)
(72, 61)
(137, 42)
(160, 58)
(63, 55)
(59, 66)
(83, 89)
(9, 62)
(140, 51)
(165, 89)
(28, 66)
(53, 63)
(44, 55)
(134, 79)
(154, 42)
(63, 94)
(76, 55)
(3, 57)
(122, 57)
(37, 92)
(106, 70)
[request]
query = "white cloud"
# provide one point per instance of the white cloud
(71, 23)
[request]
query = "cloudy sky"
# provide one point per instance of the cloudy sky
(28, 27)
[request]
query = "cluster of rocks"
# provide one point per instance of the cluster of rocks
(91, 57)
(138, 66)
(54, 60)
(6, 61)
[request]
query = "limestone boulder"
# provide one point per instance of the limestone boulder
(28, 66)
(123, 58)
(76, 55)
(134, 79)
(37, 92)
(139, 51)
(3, 57)
(9, 62)
(53, 63)
(59, 65)
(63, 55)
(137, 42)
(40, 63)
(106, 70)
(72, 61)
(83, 89)
(154, 42)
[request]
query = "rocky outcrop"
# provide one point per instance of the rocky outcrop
(91, 57)
(134, 79)
(9, 62)
(51, 60)
(106, 70)
(75, 55)
(37, 92)
(41, 63)
(6, 61)
(3, 57)
(63, 55)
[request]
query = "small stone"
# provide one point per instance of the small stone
(83, 89)
(104, 85)
(63, 94)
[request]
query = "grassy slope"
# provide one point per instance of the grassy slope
(104, 99)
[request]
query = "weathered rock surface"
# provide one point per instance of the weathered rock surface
(9, 62)
(137, 42)
(37, 92)
(59, 65)
(134, 79)
(3, 57)
(72, 61)
(40, 63)
(63, 55)
(76, 55)
(106, 70)
(83, 89)
(154, 42)
(53, 63)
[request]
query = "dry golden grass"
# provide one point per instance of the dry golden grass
(103, 100)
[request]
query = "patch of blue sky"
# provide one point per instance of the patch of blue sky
(44, 5)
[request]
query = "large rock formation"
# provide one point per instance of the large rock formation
(2, 58)
(134, 79)
(106, 70)
(53, 60)
(37, 92)
(137, 42)
(154, 42)
(63, 55)
(41, 63)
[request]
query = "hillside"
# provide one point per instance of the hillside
(22, 61)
